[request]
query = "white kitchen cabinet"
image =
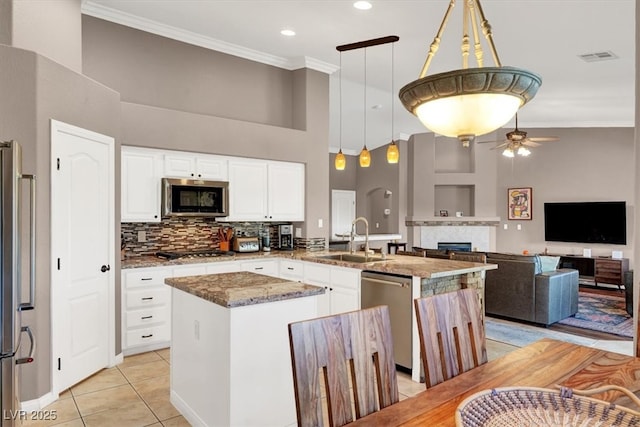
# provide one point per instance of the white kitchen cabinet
(189, 270)
(146, 310)
(192, 165)
(268, 267)
(286, 191)
(223, 267)
(140, 185)
(266, 190)
(292, 270)
(247, 190)
(342, 287)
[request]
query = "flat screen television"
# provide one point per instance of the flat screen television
(586, 222)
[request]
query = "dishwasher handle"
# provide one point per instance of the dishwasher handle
(387, 282)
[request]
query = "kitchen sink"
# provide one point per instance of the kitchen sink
(351, 258)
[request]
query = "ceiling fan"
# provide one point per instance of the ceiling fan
(517, 142)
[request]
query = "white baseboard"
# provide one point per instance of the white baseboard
(186, 411)
(144, 348)
(116, 360)
(39, 403)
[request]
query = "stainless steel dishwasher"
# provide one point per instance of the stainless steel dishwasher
(393, 291)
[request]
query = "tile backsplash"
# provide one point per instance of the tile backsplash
(185, 234)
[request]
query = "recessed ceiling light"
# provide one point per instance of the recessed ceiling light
(288, 33)
(362, 5)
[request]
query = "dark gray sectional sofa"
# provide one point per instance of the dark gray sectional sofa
(518, 289)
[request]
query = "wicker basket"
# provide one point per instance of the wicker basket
(531, 406)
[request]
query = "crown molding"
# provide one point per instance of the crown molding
(109, 14)
(345, 151)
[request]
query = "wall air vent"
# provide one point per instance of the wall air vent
(598, 56)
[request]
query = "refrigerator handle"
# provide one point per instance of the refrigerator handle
(32, 347)
(32, 248)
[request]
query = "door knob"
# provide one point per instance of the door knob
(105, 268)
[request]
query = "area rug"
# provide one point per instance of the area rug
(604, 313)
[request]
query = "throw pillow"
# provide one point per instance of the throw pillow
(538, 264)
(549, 263)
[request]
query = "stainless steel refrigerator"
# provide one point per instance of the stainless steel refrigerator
(12, 302)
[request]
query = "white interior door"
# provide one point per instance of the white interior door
(82, 250)
(343, 211)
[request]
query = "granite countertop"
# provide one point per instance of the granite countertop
(398, 264)
(242, 288)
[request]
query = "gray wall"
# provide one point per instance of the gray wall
(179, 96)
(34, 90)
(371, 185)
(586, 164)
(51, 28)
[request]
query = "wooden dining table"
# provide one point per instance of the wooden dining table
(544, 363)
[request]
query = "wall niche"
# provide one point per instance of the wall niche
(454, 198)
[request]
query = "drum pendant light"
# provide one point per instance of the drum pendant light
(469, 102)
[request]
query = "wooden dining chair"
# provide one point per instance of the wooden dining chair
(452, 335)
(346, 357)
(469, 256)
(411, 253)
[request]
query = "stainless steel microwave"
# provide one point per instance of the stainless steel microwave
(194, 197)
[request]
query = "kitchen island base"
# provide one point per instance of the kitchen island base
(232, 366)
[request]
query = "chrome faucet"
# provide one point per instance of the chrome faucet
(366, 235)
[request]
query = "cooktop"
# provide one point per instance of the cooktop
(193, 254)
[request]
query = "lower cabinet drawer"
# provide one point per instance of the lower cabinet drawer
(147, 317)
(148, 297)
(148, 335)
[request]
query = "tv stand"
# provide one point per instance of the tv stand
(599, 269)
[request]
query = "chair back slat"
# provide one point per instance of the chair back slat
(349, 357)
(452, 335)
(421, 253)
(469, 256)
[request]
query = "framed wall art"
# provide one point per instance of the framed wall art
(520, 203)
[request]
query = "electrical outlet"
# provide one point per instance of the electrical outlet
(298, 232)
(519, 227)
(142, 236)
(505, 226)
(320, 223)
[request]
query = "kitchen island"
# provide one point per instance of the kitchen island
(230, 360)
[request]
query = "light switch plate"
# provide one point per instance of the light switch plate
(142, 236)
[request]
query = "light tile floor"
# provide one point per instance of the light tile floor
(133, 394)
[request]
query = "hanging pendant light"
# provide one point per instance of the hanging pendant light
(469, 102)
(365, 156)
(340, 160)
(393, 154)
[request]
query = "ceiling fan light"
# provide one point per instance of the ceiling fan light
(393, 154)
(523, 151)
(365, 158)
(340, 161)
(508, 152)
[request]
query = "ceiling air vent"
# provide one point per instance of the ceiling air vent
(598, 56)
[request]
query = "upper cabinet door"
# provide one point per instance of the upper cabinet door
(212, 168)
(247, 190)
(195, 166)
(286, 191)
(179, 166)
(140, 186)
